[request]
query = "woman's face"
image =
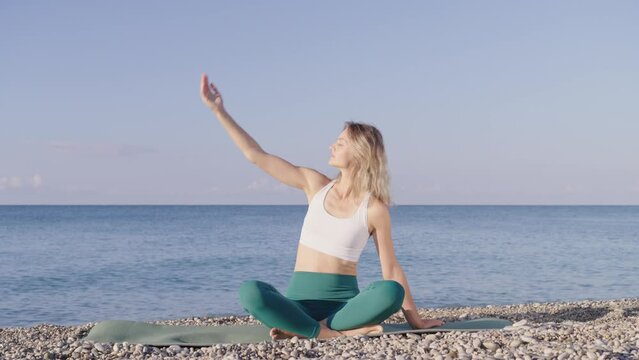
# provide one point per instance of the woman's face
(341, 151)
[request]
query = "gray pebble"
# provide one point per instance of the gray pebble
(528, 339)
(520, 323)
(490, 345)
(515, 343)
(431, 337)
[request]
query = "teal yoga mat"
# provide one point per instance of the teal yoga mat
(137, 332)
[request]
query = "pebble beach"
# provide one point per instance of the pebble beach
(606, 329)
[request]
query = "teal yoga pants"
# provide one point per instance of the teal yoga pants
(314, 296)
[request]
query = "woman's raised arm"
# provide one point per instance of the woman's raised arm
(213, 100)
(280, 169)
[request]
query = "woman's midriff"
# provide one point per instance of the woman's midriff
(309, 259)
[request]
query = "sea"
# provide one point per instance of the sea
(70, 265)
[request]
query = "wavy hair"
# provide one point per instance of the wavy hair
(371, 165)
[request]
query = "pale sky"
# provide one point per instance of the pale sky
(479, 102)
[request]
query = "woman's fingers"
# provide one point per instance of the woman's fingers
(209, 92)
(214, 88)
(208, 88)
(216, 92)
(203, 83)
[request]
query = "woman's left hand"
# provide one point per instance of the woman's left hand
(427, 323)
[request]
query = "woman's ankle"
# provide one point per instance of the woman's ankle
(327, 333)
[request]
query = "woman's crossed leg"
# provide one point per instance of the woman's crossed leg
(287, 317)
(373, 305)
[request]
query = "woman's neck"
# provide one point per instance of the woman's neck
(343, 190)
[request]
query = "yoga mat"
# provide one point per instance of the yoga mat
(137, 332)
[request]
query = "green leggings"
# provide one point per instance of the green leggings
(314, 296)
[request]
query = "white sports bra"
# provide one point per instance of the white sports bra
(344, 238)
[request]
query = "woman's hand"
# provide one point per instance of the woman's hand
(426, 323)
(210, 95)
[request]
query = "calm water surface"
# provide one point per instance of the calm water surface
(75, 264)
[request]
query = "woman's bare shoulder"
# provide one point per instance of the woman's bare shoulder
(315, 180)
(377, 209)
(377, 213)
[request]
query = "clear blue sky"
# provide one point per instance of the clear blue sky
(491, 102)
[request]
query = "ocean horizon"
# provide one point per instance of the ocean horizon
(72, 264)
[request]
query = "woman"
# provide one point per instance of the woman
(323, 299)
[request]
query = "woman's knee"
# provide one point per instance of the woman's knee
(393, 291)
(383, 298)
(252, 293)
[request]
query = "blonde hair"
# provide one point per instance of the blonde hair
(370, 169)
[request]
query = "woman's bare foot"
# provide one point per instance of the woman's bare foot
(326, 333)
(278, 334)
(365, 330)
(432, 323)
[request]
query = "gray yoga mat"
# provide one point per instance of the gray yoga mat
(137, 332)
